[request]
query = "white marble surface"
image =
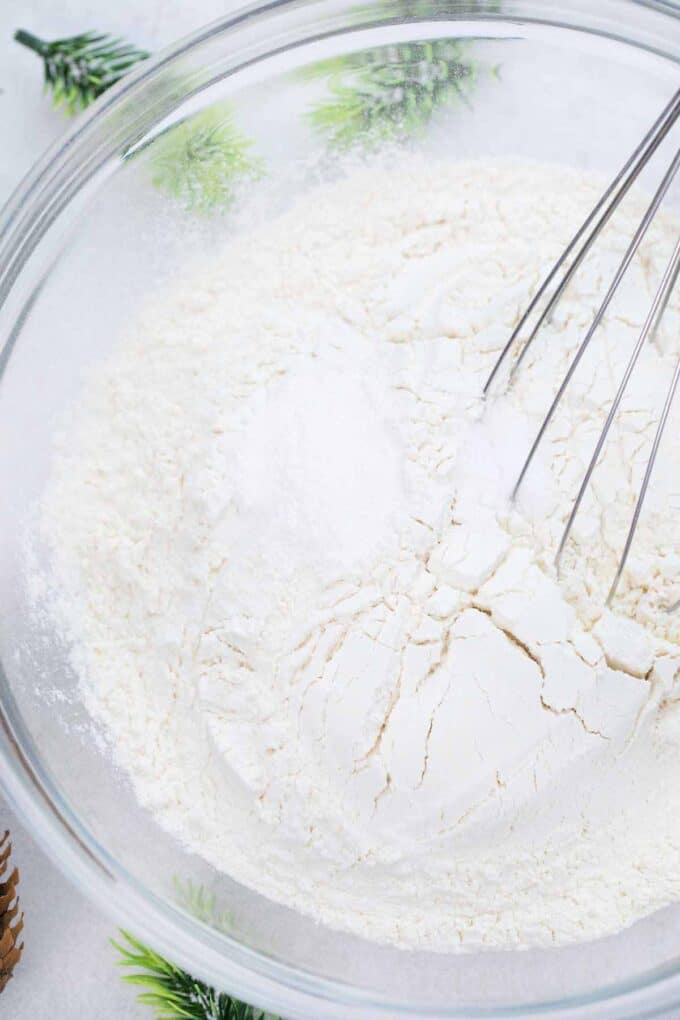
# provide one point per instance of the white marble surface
(68, 971)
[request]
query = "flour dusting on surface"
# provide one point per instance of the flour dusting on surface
(333, 657)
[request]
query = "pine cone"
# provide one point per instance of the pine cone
(11, 923)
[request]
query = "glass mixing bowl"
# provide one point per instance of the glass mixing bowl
(87, 234)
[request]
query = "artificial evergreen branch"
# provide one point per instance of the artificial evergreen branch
(390, 91)
(203, 905)
(202, 161)
(79, 68)
(11, 920)
(173, 993)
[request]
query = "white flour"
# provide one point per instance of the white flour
(332, 657)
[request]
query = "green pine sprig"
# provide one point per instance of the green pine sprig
(79, 68)
(201, 162)
(204, 160)
(381, 94)
(173, 993)
(203, 905)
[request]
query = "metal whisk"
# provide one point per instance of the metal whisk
(554, 286)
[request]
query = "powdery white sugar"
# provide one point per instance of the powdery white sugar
(313, 470)
(333, 658)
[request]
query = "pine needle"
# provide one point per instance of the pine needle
(388, 92)
(202, 905)
(79, 68)
(202, 161)
(174, 994)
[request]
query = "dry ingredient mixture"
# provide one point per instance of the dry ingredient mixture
(333, 658)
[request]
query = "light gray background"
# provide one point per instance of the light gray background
(68, 971)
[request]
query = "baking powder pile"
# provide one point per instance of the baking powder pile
(334, 659)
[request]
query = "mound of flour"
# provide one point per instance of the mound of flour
(332, 657)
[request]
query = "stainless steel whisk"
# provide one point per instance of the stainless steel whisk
(554, 286)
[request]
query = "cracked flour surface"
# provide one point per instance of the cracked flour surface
(333, 658)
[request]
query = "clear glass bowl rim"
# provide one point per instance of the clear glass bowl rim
(42, 196)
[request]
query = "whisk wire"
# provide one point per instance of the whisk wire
(664, 290)
(642, 229)
(670, 396)
(599, 216)
(546, 315)
(549, 294)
